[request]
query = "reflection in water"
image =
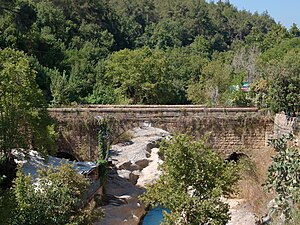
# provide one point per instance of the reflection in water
(154, 216)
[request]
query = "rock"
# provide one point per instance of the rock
(241, 212)
(123, 204)
(151, 145)
(124, 174)
(134, 163)
(142, 163)
(135, 156)
(133, 177)
(151, 172)
(128, 166)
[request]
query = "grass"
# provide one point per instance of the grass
(253, 175)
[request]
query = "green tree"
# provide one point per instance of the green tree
(141, 76)
(52, 199)
(143, 12)
(24, 121)
(294, 31)
(278, 85)
(193, 179)
(59, 88)
(283, 177)
(275, 36)
(213, 83)
(164, 34)
(186, 64)
(23, 112)
(102, 94)
(201, 46)
(190, 16)
(284, 94)
(279, 51)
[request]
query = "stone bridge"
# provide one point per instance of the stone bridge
(231, 129)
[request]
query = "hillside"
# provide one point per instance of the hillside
(152, 52)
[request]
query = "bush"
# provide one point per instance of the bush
(193, 179)
(53, 198)
(284, 179)
(239, 98)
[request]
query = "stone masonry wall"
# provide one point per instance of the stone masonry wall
(227, 133)
(284, 125)
(231, 129)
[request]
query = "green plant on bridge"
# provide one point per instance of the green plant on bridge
(103, 145)
(284, 179)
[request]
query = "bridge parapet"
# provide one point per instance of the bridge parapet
(152, 112)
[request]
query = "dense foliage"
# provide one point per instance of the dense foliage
(280, 77)
(53, 198)
(193, 179)
(23, 114)
(149, 52)
(284, 179)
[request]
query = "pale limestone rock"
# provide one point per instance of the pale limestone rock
(241, 212)
(135, 156)
(151, 172)
(123, 206)
(135, 163)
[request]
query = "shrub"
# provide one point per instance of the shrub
(193, 179)
(53, 198)
(284, 179)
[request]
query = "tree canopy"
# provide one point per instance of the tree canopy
(23, 113)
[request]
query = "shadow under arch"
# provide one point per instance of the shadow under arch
(66, 155)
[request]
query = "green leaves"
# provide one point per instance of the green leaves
(284, 177)
(193, 179)
(280, 67)
(71, 39)
(214, 80)
(23, 115)
(141, 76)
(54, 198)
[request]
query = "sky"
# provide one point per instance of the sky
(286, 12)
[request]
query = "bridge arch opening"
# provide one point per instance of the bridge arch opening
(236, 156)
(66, 155)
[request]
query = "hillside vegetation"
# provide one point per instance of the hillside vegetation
(154, 52)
